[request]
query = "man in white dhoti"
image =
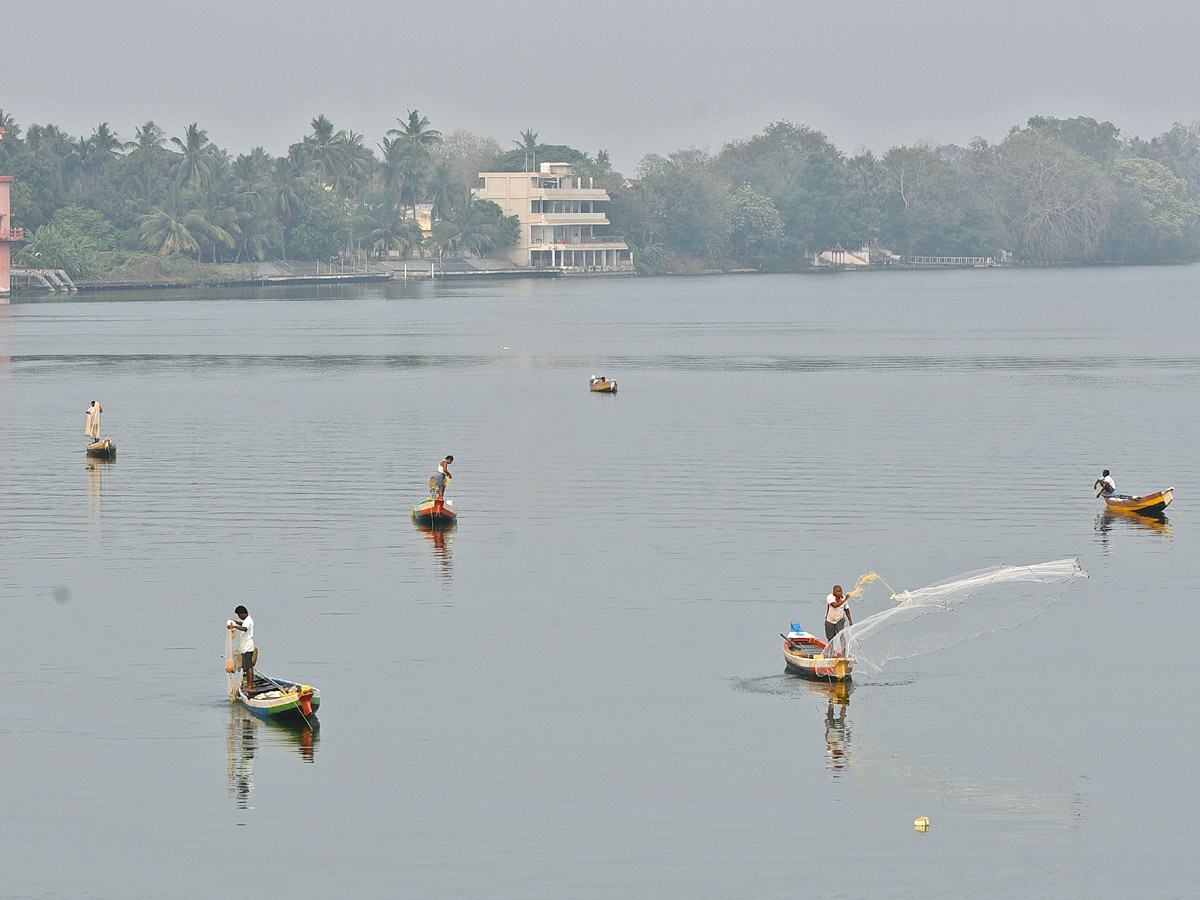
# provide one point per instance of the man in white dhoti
(93, 422)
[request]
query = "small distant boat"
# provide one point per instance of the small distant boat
(276, 700)
(438, 511)
(804, 654)
(1149, 505)
(102, 449)
(601, 385)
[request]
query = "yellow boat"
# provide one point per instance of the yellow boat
(601, 385)
(1149, 505)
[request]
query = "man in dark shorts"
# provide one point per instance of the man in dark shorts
(837, 616)
(245, 625)
(441, 476)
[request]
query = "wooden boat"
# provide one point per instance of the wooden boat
(601, 385)
(1149, 505)
(804, 654)
(435, 511)
(275, 700)
(102, 449)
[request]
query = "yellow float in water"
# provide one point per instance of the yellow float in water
(922, 824)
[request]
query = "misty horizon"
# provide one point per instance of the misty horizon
(629, 79)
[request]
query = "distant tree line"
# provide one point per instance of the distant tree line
(1055, 190)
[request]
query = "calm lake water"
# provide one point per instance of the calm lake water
(579, 692)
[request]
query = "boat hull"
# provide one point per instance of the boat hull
(282, 706)
(607, 387)
(435, 511)
(806, 657)
(1149, 505)
(104, 449)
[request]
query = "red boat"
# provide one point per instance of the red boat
(432, 510)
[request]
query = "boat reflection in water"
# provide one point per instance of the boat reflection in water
(440, 537)
(1107, 521)
(96, 470)
(837, 726)
(247, 733)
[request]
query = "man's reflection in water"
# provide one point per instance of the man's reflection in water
(243, 745)
(837, 723)
(837, 733)
(96, 469)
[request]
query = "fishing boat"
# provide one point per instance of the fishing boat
(437, 511)
(806, 654)
(276, 700)
(102, 449)
(601, 385)
(271, 699)
(1149, 505)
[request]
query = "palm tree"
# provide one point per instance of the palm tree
(416, 130)
(168, 229)
(103, 145)
(394, 168)
(290, 182)
(250, 182)
(529, 144)
(196, 152)
(324, 149)
(105, 141)
(148, 139)
(9, 124)
(250, 175)
(392, 229)
(358, 166)
(474, 229)
(214, 206)
(444, 190)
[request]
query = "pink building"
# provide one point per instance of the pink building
(8, 237)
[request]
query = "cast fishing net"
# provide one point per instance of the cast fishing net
(950, 612)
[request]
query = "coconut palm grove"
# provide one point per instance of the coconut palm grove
(152, 204)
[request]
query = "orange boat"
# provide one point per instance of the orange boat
(1149, 505)
(433, 510)
(805, 654)
(601, 385)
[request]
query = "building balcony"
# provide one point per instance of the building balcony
(601, 242)
(593, 218)
(12, 234)
(571, 194)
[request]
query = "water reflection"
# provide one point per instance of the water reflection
(837, 724)
(1107, 521)
(96, 469)
(439, 537)
(243, 742)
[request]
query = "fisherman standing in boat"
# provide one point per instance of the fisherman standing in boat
(442, 475)
(837, 616)
(1105, 486)
(245, 625)
(93, 422)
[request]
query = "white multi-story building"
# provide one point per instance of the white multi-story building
(562, 222)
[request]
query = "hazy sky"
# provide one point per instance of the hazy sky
(629, 77)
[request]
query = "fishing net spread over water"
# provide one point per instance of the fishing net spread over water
(941, 615)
